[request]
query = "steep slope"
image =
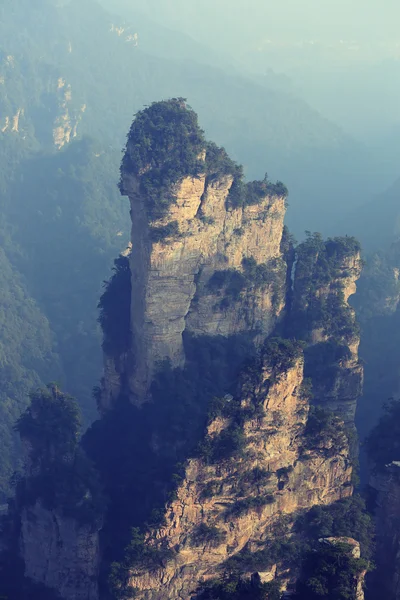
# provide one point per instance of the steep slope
(325, 277)
(206, 258)
(258, 466)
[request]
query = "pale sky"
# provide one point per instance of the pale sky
(363, 19)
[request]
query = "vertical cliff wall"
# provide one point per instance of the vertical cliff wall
(206, 254)
(257, 465)
(58, 505)
(60, 553)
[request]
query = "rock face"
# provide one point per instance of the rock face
(325, 277)
(223, 507)
(387, 516)
(60, 553)
(183, 284)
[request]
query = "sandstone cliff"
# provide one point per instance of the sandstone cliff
(225, 506)
(203, 265)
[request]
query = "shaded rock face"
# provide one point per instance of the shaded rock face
(322, 288)
(237, 501)
(385, 580)
(59, 553)
(173, 290)
(355, 552)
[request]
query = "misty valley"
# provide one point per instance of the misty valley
(199, 307)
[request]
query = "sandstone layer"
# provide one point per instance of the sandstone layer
(171, 291)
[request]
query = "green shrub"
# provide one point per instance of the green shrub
(246, 504)
(230, 442)
(219, 164)
(164, 145)
(233, 587)
(330, 573)
(324, 432)
(205, 534)
(51, 424)
(230, 280)
(161, 233)
(282, 354)
(345, 518)
(319, 263)
(279, 548)
(62, 477)
(115, 309)
(242, 194)
(211, 489)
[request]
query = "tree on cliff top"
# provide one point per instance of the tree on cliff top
(61, 475)
(164, 145)
(51, 424)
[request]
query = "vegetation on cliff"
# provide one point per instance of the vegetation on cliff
(115, 310)
(237, 588)
(331, 572)
(321, 269)
(59, 473)
(164, 145)
(230, 283)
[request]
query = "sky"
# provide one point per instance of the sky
(363, 19)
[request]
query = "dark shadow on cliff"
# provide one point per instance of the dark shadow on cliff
(140, 451)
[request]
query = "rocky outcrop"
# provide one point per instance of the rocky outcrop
(386, 487)
(67, 121)
(325, 278)
(60, 553)
(58, 505)
(181, 284)
(225, 506)
(354, 550)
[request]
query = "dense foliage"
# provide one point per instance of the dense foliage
(242, 193)
(26, 355)
(115, 309)
(230, 283)
(345, 518)
(164, 145)
(50, 424)
(324, 431)
(331, 573)
(60, 474)
(237, 588)
(318, 301)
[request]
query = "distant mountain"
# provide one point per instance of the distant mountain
(377, 222)
(73, 71)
